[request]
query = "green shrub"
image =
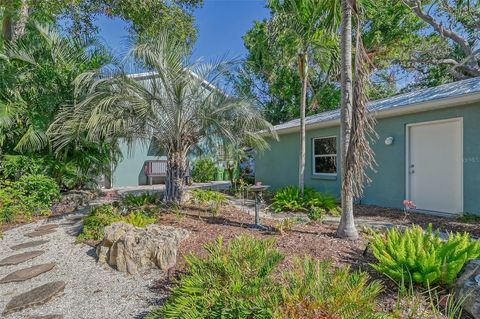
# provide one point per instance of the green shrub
(204, 170)
(11, 205)
(94, 224)
(32, 194)
(15, 166)
(290, 199)
(41, 191)
(144, 199)
(315, 290)
(422, 255)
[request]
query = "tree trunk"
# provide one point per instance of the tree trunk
(302, 65)
(19, 27)
(347, 228)
(7, 21)
(175, 179)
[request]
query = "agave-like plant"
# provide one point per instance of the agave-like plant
(176, 104)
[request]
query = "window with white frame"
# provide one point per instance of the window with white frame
(325, 155)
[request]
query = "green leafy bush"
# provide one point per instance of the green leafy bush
(241, 280)
(290, 199)
(233, 281)
(144, 199)
(32, 194)
(314, 289)
(15, 166)
(11, 205)
(204, 170)
(42, 191)
(422, 255)
(94, 224)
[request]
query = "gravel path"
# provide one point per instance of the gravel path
(90, 292)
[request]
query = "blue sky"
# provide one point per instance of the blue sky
(221, 25)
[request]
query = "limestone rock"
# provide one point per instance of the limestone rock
(468, 287)
(130, 249)
(35, 297)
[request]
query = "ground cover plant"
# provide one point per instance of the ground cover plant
(422, 255)
(316, 204)
(99, 218)
(213, 199)
(240, 280)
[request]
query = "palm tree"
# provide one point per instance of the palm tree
(356, 126)
(178, 106)
(309, 25)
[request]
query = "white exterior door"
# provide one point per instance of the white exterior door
(435, 165)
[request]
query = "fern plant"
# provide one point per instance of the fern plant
(290, 199)
(422, 255)
(140, 200)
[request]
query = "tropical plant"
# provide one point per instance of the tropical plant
(233, 281)
(204, 170)
(309, 25)
(290, 198)
(178, 105)
(13, 167)
(422, 255)
(37, 73)
(144, 199)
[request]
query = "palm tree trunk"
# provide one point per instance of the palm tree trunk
(20, 24)
(346, 228)
(7, 21)
(175, 179)
(302, 61)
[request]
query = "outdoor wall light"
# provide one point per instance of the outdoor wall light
(389, 141)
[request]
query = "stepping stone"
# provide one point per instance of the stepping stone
(46, 227)
(20, 258)
(27, 273)
(74, 218)
(38, 233)
(35, 297)
(29, 244)
(46, 317)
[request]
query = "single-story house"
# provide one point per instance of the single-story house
(428, 151)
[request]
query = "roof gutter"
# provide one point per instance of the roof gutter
(397, 111)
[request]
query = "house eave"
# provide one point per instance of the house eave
(436, 104)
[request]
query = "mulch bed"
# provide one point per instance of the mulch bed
(315, 239)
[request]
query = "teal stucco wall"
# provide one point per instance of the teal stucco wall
(279, 165)
(130, 170)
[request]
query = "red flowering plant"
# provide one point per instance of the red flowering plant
(408, 204)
